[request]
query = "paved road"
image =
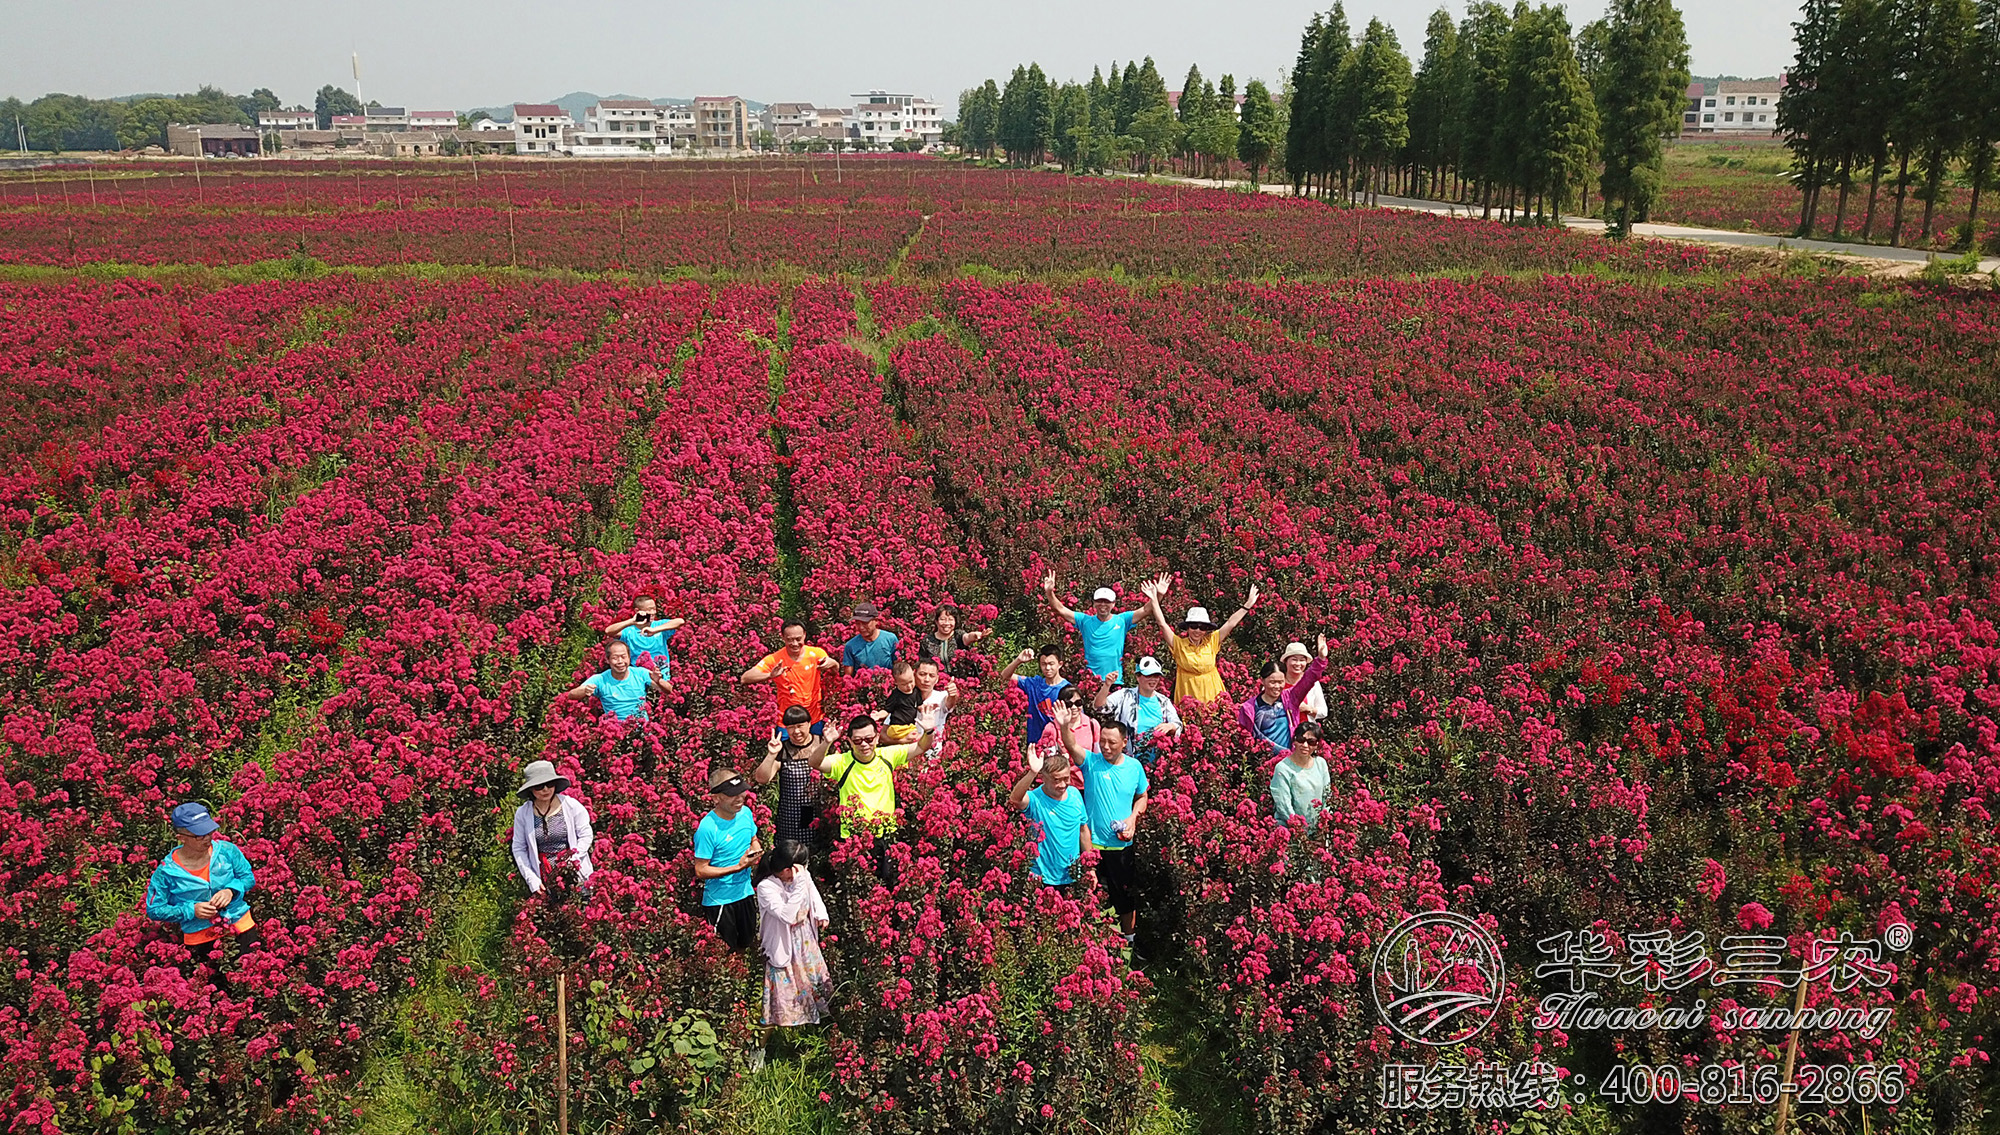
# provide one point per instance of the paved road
(1669, 232)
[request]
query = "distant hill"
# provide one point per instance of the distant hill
(576, 102)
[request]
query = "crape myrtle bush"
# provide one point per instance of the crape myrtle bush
(757, 216)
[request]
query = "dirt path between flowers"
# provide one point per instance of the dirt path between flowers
(1879, 259)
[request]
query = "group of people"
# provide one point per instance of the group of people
(1083, 785)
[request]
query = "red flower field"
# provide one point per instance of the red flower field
(1661, 594)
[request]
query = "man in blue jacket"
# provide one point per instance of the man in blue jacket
(200, 886)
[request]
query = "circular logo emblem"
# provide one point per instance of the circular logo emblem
(1438, 977)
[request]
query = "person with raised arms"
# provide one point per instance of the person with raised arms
(871, 647)
(621, 687)
(790, 757)
(646, 633)
(1277, 708)
(1296, 658)
(864, 780)
(1042, 689)
(794, 673)
(1044, 795)
(1147, 713)
(1196, 643)
(1103, 629)
(1114, 797)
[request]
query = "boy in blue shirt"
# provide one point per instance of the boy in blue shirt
(871, 647)
(725, 852)
(1042, 689)
(621, 687)
(1102, 628)
(1065, 833)
(646, 634)
(1114, 797)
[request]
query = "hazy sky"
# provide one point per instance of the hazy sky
(458, 54)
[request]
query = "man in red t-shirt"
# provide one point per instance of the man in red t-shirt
(794, 673)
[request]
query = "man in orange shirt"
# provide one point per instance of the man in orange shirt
(794, 673)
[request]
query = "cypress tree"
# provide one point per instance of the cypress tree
(1303, 142)
(1431, 104)
(1381, 95)
(1644, 78)
(1258, 132)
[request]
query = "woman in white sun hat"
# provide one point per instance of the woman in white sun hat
(550, 826)
(1195, 643)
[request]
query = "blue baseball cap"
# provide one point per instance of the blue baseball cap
(193, 818)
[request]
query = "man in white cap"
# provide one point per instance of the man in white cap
(1312, 707)
(1146, 712)
(1103, 629)
(1196, 643)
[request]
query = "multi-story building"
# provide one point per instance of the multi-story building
(388, 118)
(213, 140)
(297, 118)
(539, 127)
(617, 128)
(789, 120)
(721, 122)
(1736, 106)
(1691, 113)
(881, 117)
(677, 125)
(351, 126)
(433, 120)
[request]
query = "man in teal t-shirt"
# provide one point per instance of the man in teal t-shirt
(1103, 629)
(871, 647)
(1056, 809)
(725, 852)
(621, 687)
(1114, 797)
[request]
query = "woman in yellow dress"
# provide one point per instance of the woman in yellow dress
(1195, 643)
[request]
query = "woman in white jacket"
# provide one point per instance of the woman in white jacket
(796, 982)
(549, 826)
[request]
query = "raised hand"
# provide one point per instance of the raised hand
(1063, 714)
(1049, 581)
(1322, 646)
(927, 718)
(1252, 600)
(774, 746)
(1035, 758)
(1024, 657)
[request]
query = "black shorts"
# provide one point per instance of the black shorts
(1119, 874)
(735, 923)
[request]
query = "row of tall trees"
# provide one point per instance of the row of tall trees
(71, 122)
(1907, 90)
(1508, 109)
(1125, 119)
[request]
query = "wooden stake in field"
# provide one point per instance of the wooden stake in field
(1791, 1052)
(563, 1054)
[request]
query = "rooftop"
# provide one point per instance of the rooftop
(626, 104)
(538, 110)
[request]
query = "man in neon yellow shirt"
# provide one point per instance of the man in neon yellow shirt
(865, 779)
